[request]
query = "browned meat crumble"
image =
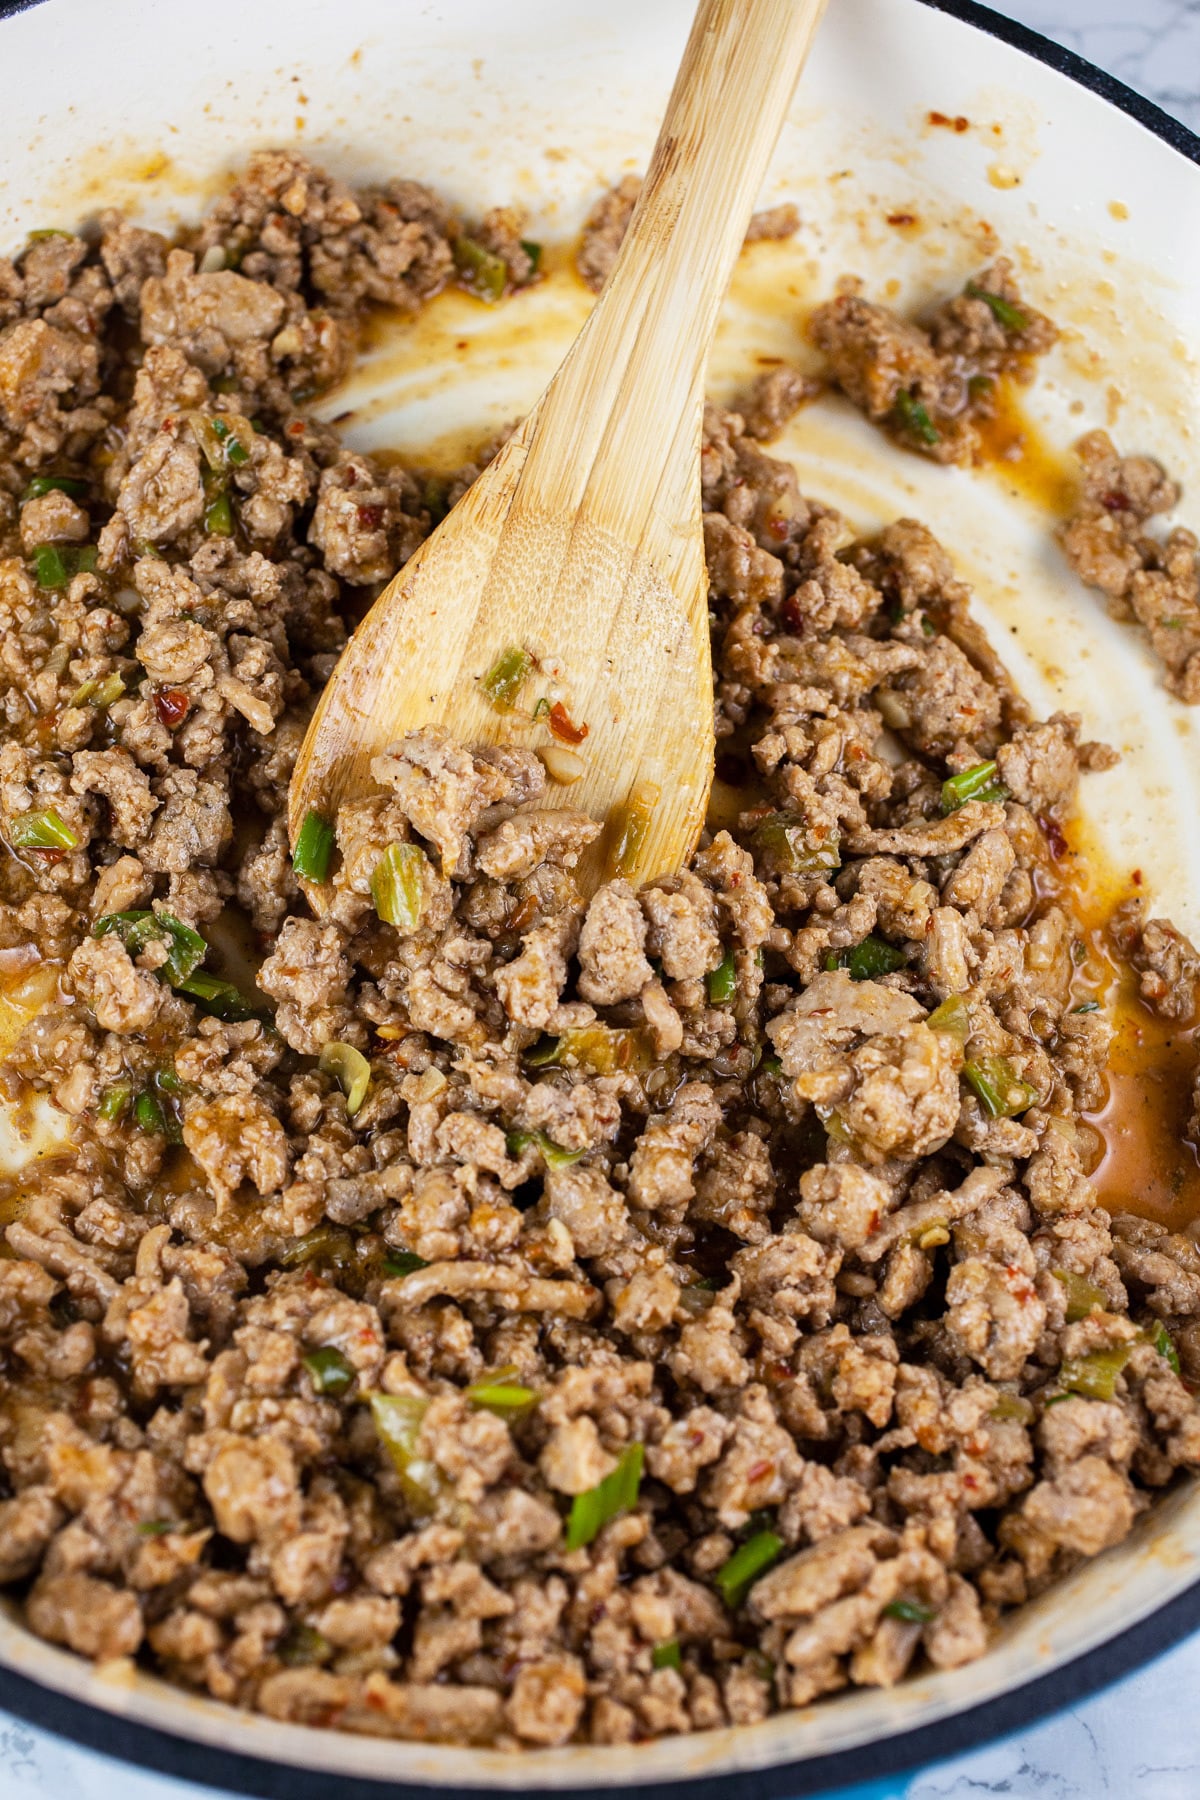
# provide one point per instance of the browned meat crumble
(607, 222)
(928, 385)
(1154, 581)
(704, 1305)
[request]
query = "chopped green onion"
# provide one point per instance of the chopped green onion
(1012, 1407)
(41, 831)
(314, 848)
(235, 450)
(722, 981)
(1002, 1093)
(114, 1102)
(350, 1069)
(220, 998)
(397, 886)
(976, 783)
(98, 693)
(55, 564)
(554, 1155)
(485, 273)
(533, 252)
(770, 1065)
(331, 1372)
(54, 484)
(542, 708)
(784, 839)
(616, 1494)
(1003, 311)
(218, 516)
(47, 231)
(149, 1528)
(398, 1421)
(867, 960)
(331, 1244)
(186, 948)
(506, 677)
(736, 1577)
(403, 1262)
(666, 1656)
(952, 1016)
(912, 417)
(302, 1646)
(149, 1115)
(910, 1612)
(1095, 1376)
(633, 827)
(498, 1393)
(1165, 1345)
(1083, 1297)
(604, 1049)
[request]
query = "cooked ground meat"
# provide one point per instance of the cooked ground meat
(927, 384)
(1154, 581)
(422, 1337)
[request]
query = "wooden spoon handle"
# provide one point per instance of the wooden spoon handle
(629, 398)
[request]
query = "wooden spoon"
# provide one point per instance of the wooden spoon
(579, 552)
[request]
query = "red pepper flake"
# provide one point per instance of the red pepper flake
(1055, 837)
(1137, 878)
(370, 518)
(52, 855)
(757, 1470)
(971, 1483)
(1114, 501)
(901, 218)
(562, 726)
(957, 123)
(171, 705)
(776, 526)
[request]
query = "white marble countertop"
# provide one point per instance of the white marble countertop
(1140, 1739)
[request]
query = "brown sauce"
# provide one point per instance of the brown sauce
(1014, 448)
(1144, 1163)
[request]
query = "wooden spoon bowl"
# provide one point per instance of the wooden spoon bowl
(577, 557)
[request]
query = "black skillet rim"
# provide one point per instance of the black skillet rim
(1084, 1676)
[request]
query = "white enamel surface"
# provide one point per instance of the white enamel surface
(545, 102)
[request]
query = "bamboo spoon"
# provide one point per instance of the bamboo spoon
(579, 551)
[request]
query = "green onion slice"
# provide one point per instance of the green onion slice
(633, 827)
(616, 1494)
(913, 417)
(1083, 1297)
(114, 1102)
(403, 1262)
(220, 998)
(1002, 1093)
(666, 1656)
(1095, 1376)
(499, 1393)
(910, 1612)
(350, 1069)
(1164, 1343)
(485, 273)
(554, 1155)
(54, 565)
(736, 1577)
(398, 1422)
(506, 677)
(722, 981)
(783, 838)
(331, 1373)
(397, 886)
(54, 484)
(979, 782)
(314, 848)
(43, 830)
(186, 949)
(1003, 311)
(952, 1016)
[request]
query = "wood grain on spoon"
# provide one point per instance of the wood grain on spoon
(581, 543)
